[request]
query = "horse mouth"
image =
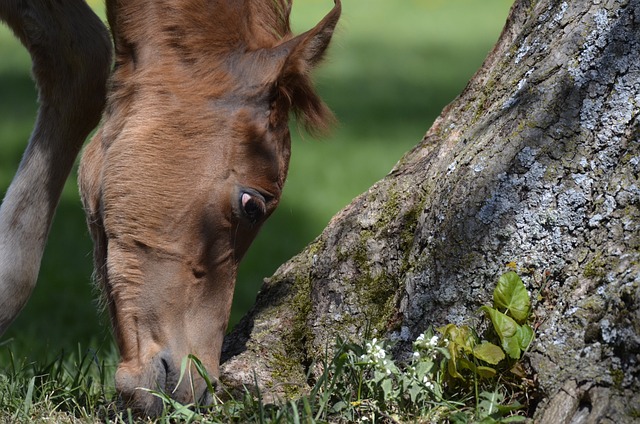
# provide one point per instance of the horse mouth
(145, 391)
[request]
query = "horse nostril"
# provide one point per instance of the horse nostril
(165, 367)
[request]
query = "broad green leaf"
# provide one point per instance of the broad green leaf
(511, 346)
(504, 325)
(514, 419)
(525, 336)
(464, 363)
(488, 420)
(378, 376)
(485, 372)
(462, 337)
(452, 368)
(489, 403)
(444, 351)
(451, 332)
(445, 330)
(414, 391)
(337, 407)
(507, 330)
(387, 387)
(511, 295)
(422, 368)
(488, 352)
(482, 371)
(505, 409)
(494, 398)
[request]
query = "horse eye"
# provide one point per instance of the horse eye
(253, 206)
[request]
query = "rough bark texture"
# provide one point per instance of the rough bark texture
(536, 163)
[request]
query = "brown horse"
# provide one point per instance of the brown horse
(190, 160)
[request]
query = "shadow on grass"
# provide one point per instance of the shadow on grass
(17, 110)
(17, 97)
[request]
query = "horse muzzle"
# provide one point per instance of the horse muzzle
(146, 389)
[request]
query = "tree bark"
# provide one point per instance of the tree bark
(536, 163)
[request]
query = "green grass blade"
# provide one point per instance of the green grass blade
(28, 399)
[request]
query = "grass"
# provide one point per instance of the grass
(358, 383)
(389, 73)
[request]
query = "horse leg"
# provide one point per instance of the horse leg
(71, 54)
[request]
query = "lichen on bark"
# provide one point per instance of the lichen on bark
(536, 163)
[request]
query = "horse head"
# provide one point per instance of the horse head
(190, 161)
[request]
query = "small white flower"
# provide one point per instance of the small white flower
(420, 337)
(428, 383)
(416, 355)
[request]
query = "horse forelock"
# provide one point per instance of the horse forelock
(210, 25)
(270, 19)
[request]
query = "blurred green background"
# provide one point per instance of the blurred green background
(391, 69)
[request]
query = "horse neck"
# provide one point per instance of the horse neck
(71, 82)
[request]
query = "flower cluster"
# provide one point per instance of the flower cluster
(425, 351)
(425, 346)
(376, 357)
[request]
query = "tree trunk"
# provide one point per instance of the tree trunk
(536, 163)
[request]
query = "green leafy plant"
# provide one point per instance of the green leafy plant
(508, 316)
(511, 309)
(453, 374)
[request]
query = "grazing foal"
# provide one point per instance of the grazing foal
(190, 160)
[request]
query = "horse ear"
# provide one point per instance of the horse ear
(306, 50)
(297, 57)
